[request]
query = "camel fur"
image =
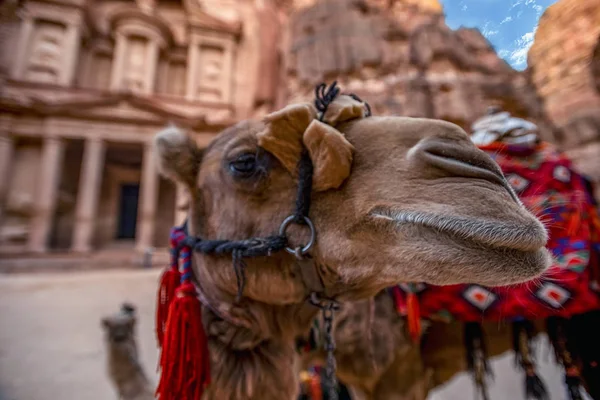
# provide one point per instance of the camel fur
(394, 199)
(124, 368)
(378, 360)
(374, 354)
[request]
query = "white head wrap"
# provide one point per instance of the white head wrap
(502, 127)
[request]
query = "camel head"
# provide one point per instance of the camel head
(393, 200)
(119, 328)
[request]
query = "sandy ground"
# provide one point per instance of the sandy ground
(51, 343)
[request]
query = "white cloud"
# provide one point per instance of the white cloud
(528, 3)
(463, 6)
(518, 56)
(503, 53)
(505, 20)
(487, 31)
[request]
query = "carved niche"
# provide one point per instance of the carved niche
(211, 73)
(135, 63)
(213, 42)
(176, 78)
(46, 52)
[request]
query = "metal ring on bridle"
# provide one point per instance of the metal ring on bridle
(286, 223)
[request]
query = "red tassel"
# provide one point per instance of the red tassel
(414, 317)
(166, 292)
(185, 361)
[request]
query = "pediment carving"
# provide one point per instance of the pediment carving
(199, 18)
(122, 109)
(127, 106)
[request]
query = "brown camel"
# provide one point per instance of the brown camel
(124, 367)
(393, 199)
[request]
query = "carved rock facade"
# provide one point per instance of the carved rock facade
(564, 64)
(84, 85)
(405, 60)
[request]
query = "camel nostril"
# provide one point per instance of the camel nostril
(468, 162)
(460, 161)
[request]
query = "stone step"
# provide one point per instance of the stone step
(108, 259)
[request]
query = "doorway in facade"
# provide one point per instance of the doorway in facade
(128, 210)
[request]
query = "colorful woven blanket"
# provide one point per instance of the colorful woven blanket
(547, 184)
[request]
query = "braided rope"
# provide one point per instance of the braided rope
(176, 236)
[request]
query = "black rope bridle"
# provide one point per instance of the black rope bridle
(257, 247)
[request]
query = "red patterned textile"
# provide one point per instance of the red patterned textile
(547, 184)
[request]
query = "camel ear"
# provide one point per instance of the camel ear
(177, 155)
(294, 127)
(331, 155)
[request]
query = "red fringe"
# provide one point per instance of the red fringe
(315, 386)
(185, 361)
(414, 317)
(166, 292)
(399, 300)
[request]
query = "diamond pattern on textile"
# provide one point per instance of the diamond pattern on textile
(562, 174)
(517, 182)
(479, 296)
(577, 261)
(553, 294)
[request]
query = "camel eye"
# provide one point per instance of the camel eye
(244, 165)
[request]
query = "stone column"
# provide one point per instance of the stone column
(149, 200)
(152, 59)
(71, 50)
(45, 205)
(116, 78)
(181, 198)
(227, 73)
(7, 149)
(20, 60)
(90, 180)
(192, 69)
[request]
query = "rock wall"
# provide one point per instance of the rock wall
(564, 64)
(561, 57)
(405, 60)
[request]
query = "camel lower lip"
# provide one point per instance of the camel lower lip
(501, 234)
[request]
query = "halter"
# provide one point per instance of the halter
(266, 246)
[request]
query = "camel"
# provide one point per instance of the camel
(124, 367)
(374, 352)
(393, 199)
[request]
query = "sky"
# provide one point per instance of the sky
(509, 25)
